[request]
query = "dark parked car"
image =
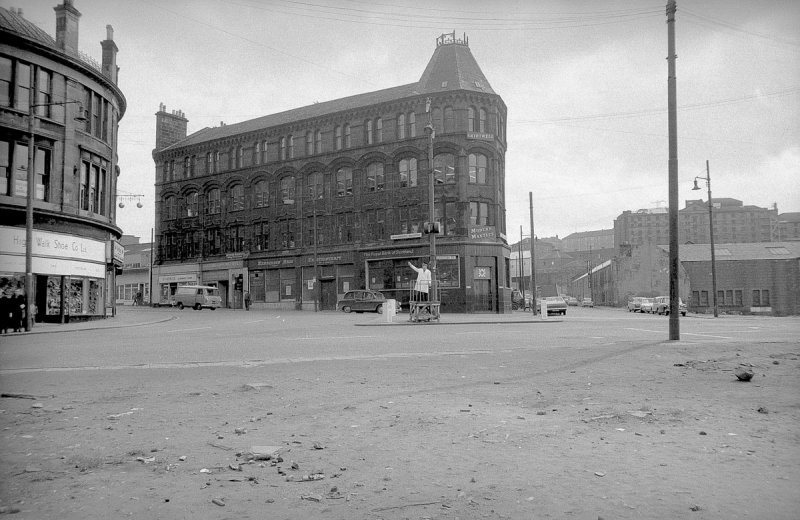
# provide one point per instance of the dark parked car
(362, 301)
(587, 302)
(635, 304)
(661, 306)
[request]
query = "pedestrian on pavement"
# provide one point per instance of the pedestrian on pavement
(423, 283)
(247, 300)
(18, 311)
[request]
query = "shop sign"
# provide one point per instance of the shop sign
(237, 256)
(178, 278)
(480, 136)
(482, 233)
(272, 262)
(55, 245)
(345, 258)
(115, 252)
(405, 236)
(54, 266)
(388, 253)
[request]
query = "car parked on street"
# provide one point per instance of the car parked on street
(587, 302)
(555, 305)
(661, 306)
(572, 301)
(635, 304)
(363, 300)
(646, 305)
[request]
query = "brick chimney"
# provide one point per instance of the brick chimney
(170, 127)
(110, 69)
(67, 18)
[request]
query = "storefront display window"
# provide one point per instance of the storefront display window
(272, 283)
(308, 284)
(288, 284)
(257, 286)
(84, 296)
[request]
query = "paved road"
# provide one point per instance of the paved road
(171, 337)
(477, 417)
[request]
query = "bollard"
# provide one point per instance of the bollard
(389, 310)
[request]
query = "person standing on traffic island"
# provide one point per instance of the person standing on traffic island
(423, 282)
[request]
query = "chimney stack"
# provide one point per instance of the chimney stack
(170, 127)
(67, 18)
(110, 69)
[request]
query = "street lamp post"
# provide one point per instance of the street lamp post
(31, 183)
(707, 178)
(431, 201)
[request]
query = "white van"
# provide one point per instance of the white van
(197, 297)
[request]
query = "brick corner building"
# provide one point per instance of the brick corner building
(337, 192)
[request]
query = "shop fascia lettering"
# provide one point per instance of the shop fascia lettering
(12, 240)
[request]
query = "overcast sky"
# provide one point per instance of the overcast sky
(585, 83)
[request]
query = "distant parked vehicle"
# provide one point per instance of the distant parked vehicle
(555, 305)
(197, 297)
(635, 304)
(362, 301)
(572, 301)
(646, 305)
(661, 306)
(587, 302)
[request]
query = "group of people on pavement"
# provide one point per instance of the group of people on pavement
(12, 306)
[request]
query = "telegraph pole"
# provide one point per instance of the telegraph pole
(533, 259)
(672, 104)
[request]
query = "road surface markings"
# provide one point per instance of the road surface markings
(186, 330)
(645, 330)
(256, 321)
(706, 335)
(329, 338)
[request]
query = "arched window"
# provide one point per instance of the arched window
(287, 190)
(264, 152)
(379, 130)
(236, 195)
(437, 119)
(283, 148)
(239, 156)
(375, 177)
(261, 194)
(309, 143)
(482, 120)
(471, 119)
(257, 153)
(412, 124)
(401, 126)
(338, 135)
(347, 142)
(170, 207)
(477, 168)
(212, 201)
(314, 187)
(209, 163)
(449, 120)
(291, 147)
(408, 172)
(444, 169)
(370, 135)
(344, 182)
(192, 204)
(318, 142)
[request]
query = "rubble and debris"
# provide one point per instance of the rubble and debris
(743, 374)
